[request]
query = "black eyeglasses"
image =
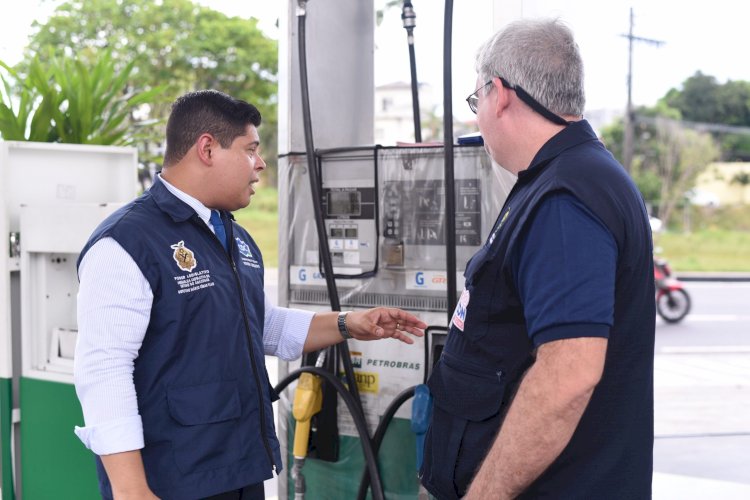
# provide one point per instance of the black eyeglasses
(473, 101)
(473, 98)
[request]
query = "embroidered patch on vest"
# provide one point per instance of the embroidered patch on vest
(246, 254)
(184, 257)
(244, 248)
(459, 315)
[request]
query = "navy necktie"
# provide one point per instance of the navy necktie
(218, 225)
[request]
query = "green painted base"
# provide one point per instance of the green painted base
(54, 463)
(6, 406)
(336, 480)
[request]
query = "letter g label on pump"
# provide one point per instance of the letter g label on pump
(459, 315)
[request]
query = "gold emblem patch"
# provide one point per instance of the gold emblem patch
(184, 257)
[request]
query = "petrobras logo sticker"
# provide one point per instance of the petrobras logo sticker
(426, 280)
(459, 315)
(356, 359)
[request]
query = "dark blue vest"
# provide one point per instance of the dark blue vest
(610, 453)
(203, 391)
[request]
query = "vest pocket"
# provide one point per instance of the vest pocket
(467, 400)
(208, 417)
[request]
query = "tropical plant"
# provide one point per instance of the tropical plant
(99, 102)
(178, 43)
(64, 100)
(28, 105)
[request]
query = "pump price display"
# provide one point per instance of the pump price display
(343, 203)
(349, 203)
(415, 211)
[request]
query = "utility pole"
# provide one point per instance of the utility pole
(627, 147)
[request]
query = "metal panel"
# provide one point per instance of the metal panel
(340, 54)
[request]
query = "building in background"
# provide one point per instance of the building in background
(394, 120)
(723, 184)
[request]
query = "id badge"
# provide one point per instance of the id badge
(459, 315)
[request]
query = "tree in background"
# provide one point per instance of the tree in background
(667, 156)
(683, 154)
(702, 99)
(174, 43)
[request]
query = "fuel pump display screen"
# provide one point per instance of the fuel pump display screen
(342, 203)
(414, 212)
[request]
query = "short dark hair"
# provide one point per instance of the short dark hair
(206, 111)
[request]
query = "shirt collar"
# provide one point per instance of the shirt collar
(178, 204)
(571, 136)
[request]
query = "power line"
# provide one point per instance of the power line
(698, 126)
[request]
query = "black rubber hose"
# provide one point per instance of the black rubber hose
(333, 295)
(359, 421)
(377, 439)
(415, 95)
(408, 17)
(450, 191)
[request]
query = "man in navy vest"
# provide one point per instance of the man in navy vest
(545, 385)
(173, 322)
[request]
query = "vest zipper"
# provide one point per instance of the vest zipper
(251, 349)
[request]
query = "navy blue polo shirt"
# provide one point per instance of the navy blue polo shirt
(570, 256)
(565, 272)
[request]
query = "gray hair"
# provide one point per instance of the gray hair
(542, 57)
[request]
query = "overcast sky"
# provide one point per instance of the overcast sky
(710, 37)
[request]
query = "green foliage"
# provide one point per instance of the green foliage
(684, 154)
(649, 183)
(64, 100)
(667, 157)
(702, 99)
(98, 103)
(31, 117)
(175, 43)
(698, 101)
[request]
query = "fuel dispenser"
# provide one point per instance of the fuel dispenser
(381, 235)
(52, 196)
(384, 217)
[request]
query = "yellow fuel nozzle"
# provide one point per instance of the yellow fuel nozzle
(308, 399)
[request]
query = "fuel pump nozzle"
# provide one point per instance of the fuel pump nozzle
(308, 400)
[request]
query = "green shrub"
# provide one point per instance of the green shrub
(65, 100)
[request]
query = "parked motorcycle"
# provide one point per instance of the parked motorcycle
(672, 300)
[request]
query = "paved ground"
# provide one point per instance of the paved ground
(702, 422)
(702, 426)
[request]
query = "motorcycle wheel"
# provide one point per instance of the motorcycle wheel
(673, 305)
